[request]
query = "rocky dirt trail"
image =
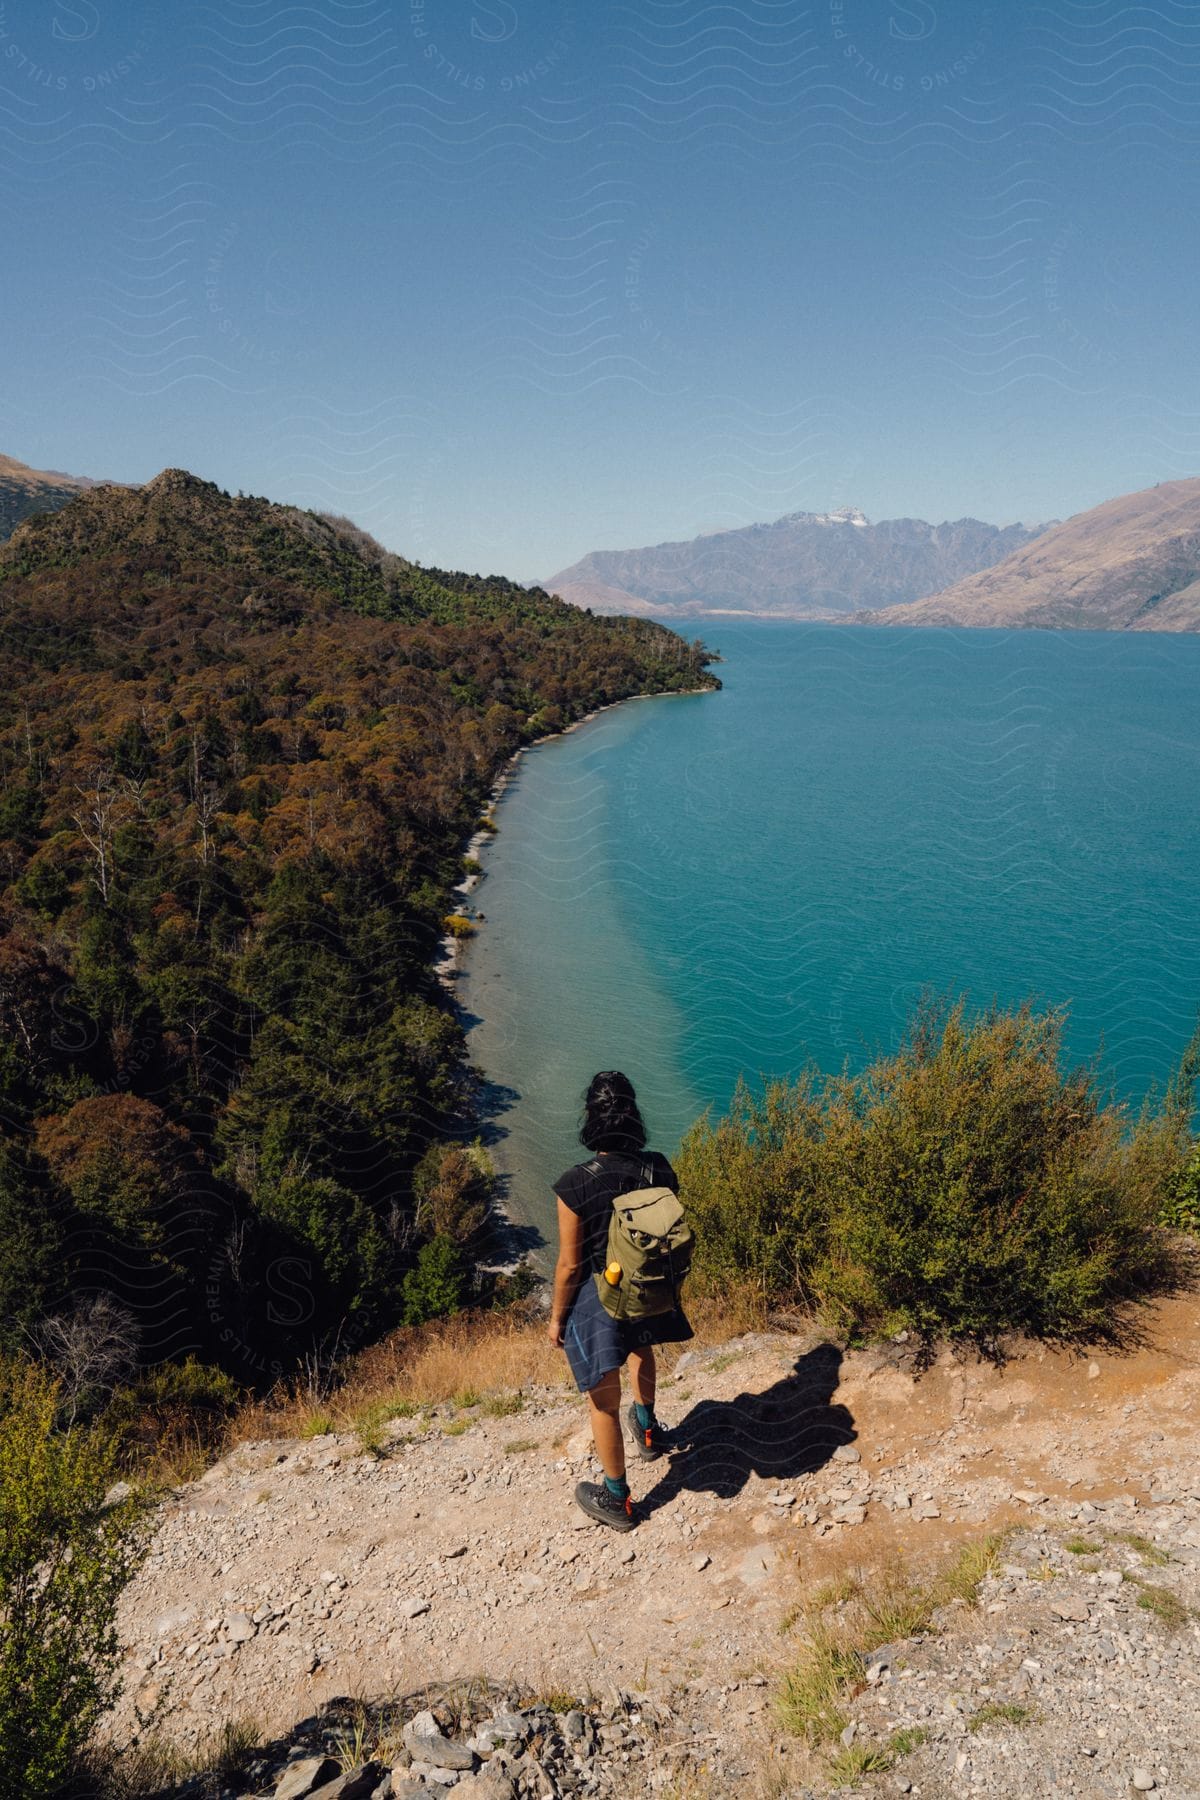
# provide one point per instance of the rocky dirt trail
(295, 1573)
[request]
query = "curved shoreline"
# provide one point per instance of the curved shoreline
(506, 1249)
(448, 965)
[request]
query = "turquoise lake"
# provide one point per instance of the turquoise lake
(694, 887)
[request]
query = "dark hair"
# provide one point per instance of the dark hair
(611, 1120)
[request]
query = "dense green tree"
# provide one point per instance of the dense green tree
(32, 1275)
(106, 987)
(436, 1286)
(32, 986)
(21, 810)
(345, 1257)
(132, 751)
(44, 887)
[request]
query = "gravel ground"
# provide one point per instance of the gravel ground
(1077, 1673)
(293, 1575)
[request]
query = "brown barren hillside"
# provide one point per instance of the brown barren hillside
(1132, 564)
(24, 491)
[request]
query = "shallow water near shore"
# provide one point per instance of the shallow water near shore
(696, 886)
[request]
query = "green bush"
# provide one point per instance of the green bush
(64, 1559)
(985, 1192)
(1181, 1207)
(961, 1188)
(435, 1288)
(174, 1404)
(757, 1187)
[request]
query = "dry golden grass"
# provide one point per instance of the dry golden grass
(413, 1368)
(180, 1455)
(484, 1354)
(152, 1764)
(716, 1317)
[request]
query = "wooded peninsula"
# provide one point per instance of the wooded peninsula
(241, 750)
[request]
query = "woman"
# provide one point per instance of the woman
(596, 1344)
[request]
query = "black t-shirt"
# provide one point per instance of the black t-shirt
(590, 1192)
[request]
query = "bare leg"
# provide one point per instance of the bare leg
(643, 1375)
(604, 1404)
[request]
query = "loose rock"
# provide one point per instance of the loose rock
(303, 1776)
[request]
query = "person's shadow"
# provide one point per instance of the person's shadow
(790, 1429)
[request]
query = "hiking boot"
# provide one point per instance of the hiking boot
(649, 1441)
(599, 1503)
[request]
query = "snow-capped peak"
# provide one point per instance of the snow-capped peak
(845, 515)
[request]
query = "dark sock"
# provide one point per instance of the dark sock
(617, 1486)
(644, 1415)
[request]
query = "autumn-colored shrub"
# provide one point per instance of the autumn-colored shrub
(452, 1187)
(177, 1412)
(120, 1158)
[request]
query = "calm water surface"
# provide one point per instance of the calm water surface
(697, 886)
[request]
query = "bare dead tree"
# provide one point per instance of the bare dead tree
(135, 788)
(401, 1226)
(208, 804)
(92, 1348)
(195, 1021)
(195, 770)
(245, 1167)
(101, 806)
(233, 1251)
(320, 1366)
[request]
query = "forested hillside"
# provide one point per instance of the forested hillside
(240, 749)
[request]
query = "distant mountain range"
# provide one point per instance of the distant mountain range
(804, 566)
(1132, 564)
(24, 491)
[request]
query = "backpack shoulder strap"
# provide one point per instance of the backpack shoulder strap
(632, 1160)
(643, 1164)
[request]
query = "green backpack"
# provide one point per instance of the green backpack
(649, 1252)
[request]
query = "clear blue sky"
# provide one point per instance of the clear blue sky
(508, 282)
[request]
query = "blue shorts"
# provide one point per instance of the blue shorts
(596, 1343)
